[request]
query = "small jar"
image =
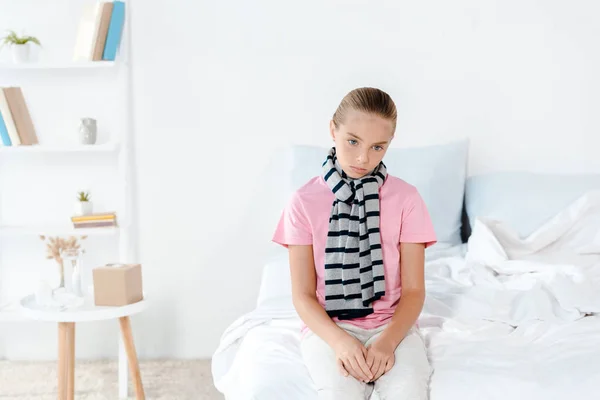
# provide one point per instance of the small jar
(88, 131)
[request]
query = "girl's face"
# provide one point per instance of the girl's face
(361, 142)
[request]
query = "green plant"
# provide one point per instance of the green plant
(14, 39)
(83, 196)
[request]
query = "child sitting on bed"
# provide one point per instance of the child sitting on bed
(356, 237)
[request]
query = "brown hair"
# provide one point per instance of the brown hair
(369, 100)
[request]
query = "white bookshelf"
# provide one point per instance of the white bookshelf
(97, 89)
(116, 153)
(9, 309)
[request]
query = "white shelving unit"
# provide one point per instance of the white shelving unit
(116, 146)
(116, 152)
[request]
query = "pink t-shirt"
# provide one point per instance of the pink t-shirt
(403, 218)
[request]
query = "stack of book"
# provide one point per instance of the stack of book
(16, 127)
(100, 30)
(96, 220)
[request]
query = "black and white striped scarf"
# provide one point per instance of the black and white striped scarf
(354, 275)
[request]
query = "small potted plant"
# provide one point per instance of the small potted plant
(83, 205)
(20, 46)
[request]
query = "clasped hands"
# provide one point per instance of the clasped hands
(366, 364)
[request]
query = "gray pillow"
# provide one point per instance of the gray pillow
(524, 200)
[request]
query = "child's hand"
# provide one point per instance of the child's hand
(350, 354)
(380, 357)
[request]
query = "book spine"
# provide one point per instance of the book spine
(100, 41)
(4, 132)
(87, 31)
(94, 30)
(115, 31)
(9, 122)
(84, 219)
(94, 224)
(20, 113)
(83, 35)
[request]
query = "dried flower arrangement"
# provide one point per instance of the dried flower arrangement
(56, 246)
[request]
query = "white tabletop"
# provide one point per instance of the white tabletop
(86, 311)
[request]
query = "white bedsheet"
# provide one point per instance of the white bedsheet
(514, 317)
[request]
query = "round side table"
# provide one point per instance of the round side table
(85, 312)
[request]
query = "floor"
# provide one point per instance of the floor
(97, 380)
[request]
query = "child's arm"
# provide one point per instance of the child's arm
(349, 351)
(412, 275)
(380, 358)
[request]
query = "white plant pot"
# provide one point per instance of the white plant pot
(21, 53)
(83, 208)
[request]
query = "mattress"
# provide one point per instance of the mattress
(504, 318)
(540, 361)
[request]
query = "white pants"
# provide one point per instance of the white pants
(407, 380)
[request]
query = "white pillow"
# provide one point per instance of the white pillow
(524, 200)
(276, 283)
(438, 172)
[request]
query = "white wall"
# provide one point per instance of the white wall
(219, 86)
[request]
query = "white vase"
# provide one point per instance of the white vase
(88, 129)
(83, 208)
(21, 53)
(76, 286)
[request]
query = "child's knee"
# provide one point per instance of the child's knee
(407, 387)
(349, 392)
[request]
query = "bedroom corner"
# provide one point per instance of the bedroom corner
(164, 165)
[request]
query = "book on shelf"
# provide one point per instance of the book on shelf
(95, 220)
(16, 126)
(99, 31)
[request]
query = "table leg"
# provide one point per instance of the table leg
(71, 361)
(132, 357)
(62, 360)
(123, 372)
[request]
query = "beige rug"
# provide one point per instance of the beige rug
(98, 380)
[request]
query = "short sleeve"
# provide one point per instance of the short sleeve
(293, 227)
(416, 226)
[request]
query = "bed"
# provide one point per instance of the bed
(512, 311)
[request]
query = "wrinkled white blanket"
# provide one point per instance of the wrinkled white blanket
(552, 275)
(504, 298)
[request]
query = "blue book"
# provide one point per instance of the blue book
(4, 132)
(115, 31)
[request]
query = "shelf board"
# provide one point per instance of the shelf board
(56, 230)
(58, 65)
(41, 148)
